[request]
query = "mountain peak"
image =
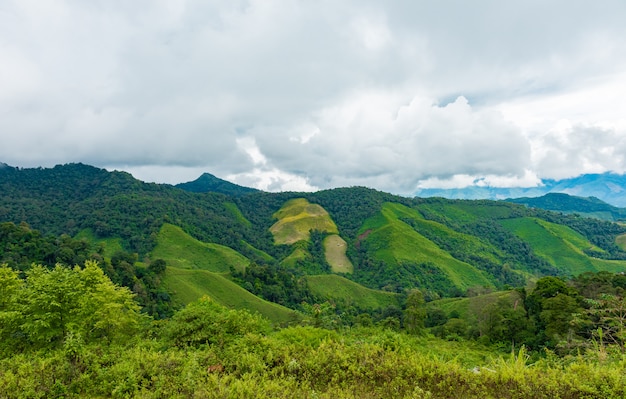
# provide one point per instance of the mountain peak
(209, 183)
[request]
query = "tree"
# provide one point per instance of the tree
(10, 316)
(205, 322)
(414, 312)
(52, 305)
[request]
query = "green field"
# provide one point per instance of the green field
(395, 242)
(189, 285)
(335, 253)
(296, 218)
(181, 250)
(346, 291)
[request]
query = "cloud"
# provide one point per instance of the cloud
(386, 95)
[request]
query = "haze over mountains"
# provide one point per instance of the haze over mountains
(608, 187)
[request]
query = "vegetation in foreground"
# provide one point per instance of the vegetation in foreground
(71, 332)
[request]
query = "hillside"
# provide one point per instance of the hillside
(268, 242)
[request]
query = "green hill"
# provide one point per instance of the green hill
(296, 218)
(189, 285)
(340, 289)
(397, 244)
(180, 250)
(391, 243)
(561, 246)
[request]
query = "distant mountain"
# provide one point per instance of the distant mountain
(584, 206)
(608, 187)
(207, 183)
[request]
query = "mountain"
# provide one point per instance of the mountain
(608, 187)
(272, 244)
(585, 206)
(207, 183)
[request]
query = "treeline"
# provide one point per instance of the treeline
(566, 316)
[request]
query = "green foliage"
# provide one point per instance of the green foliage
(204, 322)
(52, 306)
(414, 312)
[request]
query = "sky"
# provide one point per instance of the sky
(302, 95)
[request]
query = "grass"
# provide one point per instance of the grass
(232, 207)
(111, 245)
(294, 257)
(181, 250)
(296, 218)
(335, 252)
(560, 245)
(395, 242)
(620, 241)
(189, 285)
(339, 288)
(462, 306)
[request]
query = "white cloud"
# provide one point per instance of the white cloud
(286, 94)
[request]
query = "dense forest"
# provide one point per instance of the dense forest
(113, 287)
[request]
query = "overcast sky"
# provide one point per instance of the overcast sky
(314, 94)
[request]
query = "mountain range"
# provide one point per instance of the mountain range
(357, 247)
(608, 187)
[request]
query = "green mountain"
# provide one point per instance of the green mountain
(584, 206)
(207, 183)
(347, 245)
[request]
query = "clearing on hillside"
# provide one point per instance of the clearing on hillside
(335, 252)
(181, 250)
(348, 292)
(297, 218)
(188, 285)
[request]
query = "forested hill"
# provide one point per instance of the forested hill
(271, 240)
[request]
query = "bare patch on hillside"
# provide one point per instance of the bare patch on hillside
(335, 253)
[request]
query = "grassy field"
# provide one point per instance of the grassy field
(296, 218)
(341, 289)
(395, 242)
(180, 250)
(189, 285)
(294, 257)
(232, 207)
(335, 252)
(560, 245)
